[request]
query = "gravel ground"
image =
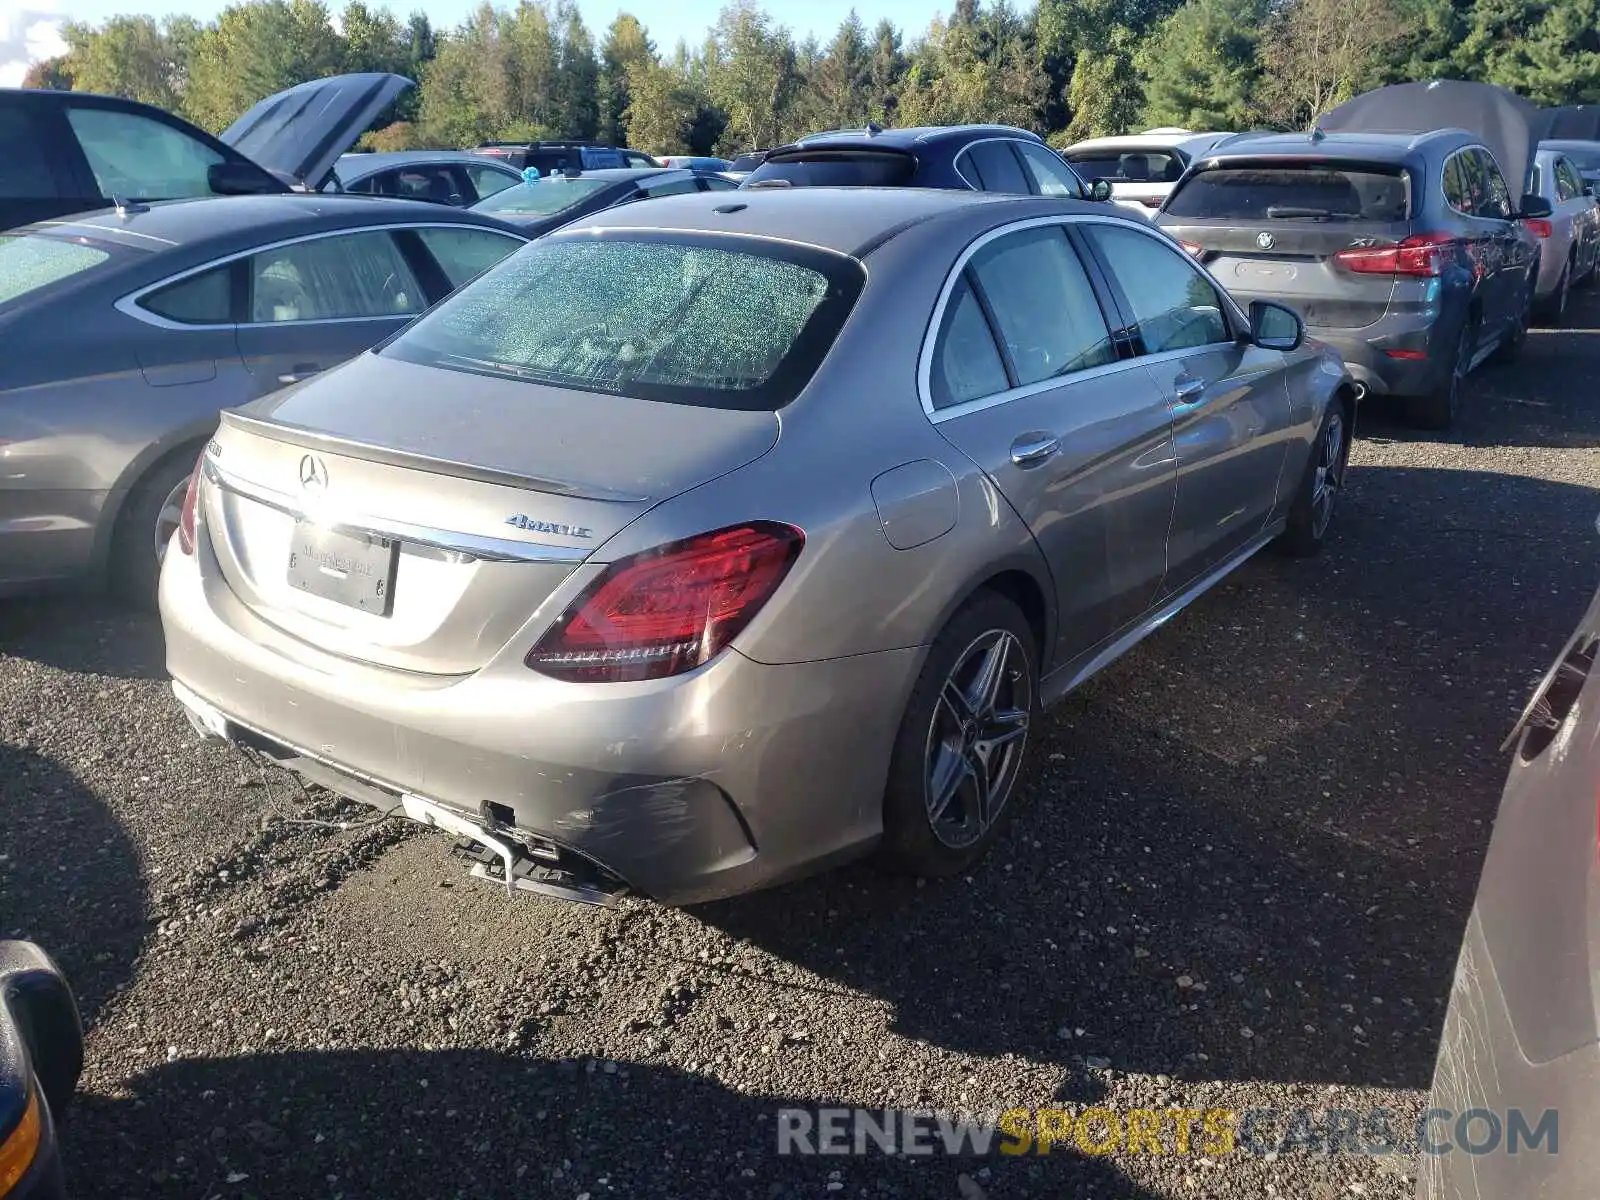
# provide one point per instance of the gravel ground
(1237, 879)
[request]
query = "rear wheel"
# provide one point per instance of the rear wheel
(1437, 409)
(961, 743)
(146, 525)
(1312, 514)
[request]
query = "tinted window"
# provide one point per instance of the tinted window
(1315, 191)
(543, 199)
(1455, 184)
(488, 181)
(137, 158)
(1584, 160)
(1053, 177)
(355, 275)
(992, 167)
(1135, 166)
(716, 183)
(1498, 205)
(1174, 305)
(205, 299)
(30, 263)
(671, 187)
(1043, 305)
(746, 162)
(636, 158)
(966, 361)
(24, 170)
(837, 168)
(433, 183)
(1567, 185)
(657, 317)
(465, 254)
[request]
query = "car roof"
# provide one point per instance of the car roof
(382, 160)
(172, 224)
(906, 139)
(1144, 141)
(1561, 144)
(1374, 145)
(846, 220)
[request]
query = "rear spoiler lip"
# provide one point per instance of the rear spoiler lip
(315, 439)
(1212, 162)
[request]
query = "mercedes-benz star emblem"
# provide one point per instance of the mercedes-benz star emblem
(1264, 240)
(313, 473)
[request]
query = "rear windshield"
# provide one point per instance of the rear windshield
(837, 168)
(721, 323)
(1586, 161)
(1135, 166)
(1310, 191)
(31, 264)
(542, 199)
(746, 162)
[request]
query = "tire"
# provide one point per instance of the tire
(940, 743)
(1311, 515)
(145, 525)
(1437, 409)
(1553, 310)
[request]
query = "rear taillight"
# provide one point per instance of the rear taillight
(1539, 227)
(189, 514)
(671, 609)
(1421, 255)
(1193, 248)
(1151, 201)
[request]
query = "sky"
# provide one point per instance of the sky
(28, 28)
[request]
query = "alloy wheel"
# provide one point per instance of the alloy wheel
(168, 518)
(1328, 477)
(977, 737)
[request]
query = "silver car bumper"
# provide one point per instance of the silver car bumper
(726, 779)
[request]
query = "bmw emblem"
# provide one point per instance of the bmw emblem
(1264, 240)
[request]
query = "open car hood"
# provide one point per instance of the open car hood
(299, 134)
(1574, 123)
(1507, 124)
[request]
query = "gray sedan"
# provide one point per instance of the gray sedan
(127, 330)
(692, 549)
(1570, 234)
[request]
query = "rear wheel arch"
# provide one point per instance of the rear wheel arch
(186, 443)
(1026, 585)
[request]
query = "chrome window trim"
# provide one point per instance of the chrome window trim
(468, 546)
(930, 337)
(129, 305)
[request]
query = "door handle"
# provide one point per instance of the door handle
(1031, 449)
(1187, 389)
(301, 371)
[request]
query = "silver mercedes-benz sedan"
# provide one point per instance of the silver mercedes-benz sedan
(692, 549)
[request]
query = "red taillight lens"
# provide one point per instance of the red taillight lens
(188, 516)
(1408, 355)
(1539, 227)
(1193, 248)
(1422, 255)
(1151, 201)
(670, 609)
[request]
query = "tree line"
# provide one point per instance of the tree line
(1067, 69)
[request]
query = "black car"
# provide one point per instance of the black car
(41, 1056)
(71, 152)
(983, 158)
(1396, 229)
(550, 157)
(547, 204)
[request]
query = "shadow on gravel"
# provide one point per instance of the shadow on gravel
(1250, 847)
(480, 1124)
(69, 877)
(85, 634)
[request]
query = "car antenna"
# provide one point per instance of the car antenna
(873, 129)
(1316, 133)
(128, 207)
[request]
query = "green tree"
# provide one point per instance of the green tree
(1548, 52)
(661, 108)
(577, 76)
(753, 78)
(978, 68)
(465, 89)
(1105, 96)
(625, 45)
(842, 83)
(885, 72)
(1202, 67)
(1319, 53)
(133, 57)
(373, 41)
(256, 49)
(532, 57)
(54, 73)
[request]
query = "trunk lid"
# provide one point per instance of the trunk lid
(300, 133)
(1270, 230)
(469, 499)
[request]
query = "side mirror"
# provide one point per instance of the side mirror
(1274, 327)
(1535, 206)
(238, 179)
(1100, 189)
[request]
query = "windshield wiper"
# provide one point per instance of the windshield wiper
(1296, 210)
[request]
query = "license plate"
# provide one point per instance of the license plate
(348, 568)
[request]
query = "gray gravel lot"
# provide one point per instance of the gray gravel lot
(1237, 879)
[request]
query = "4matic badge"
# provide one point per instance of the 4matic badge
(528, 523)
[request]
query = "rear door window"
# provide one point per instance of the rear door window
(837, 168)
(204, 299)
(739, 323)
(344, 277)
(966, 362)
(464, 254)
(1051, 176)
(1316, 191)
(25, 172)
(1174, 306)
(671, 187)
(1042, 303)
(134, 157)
(1497, 204)
(1567, 185)
(992, 167)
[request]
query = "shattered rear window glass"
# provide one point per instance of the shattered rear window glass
(30, 263)
(655, 317)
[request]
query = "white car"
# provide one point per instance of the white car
(1140, 167)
